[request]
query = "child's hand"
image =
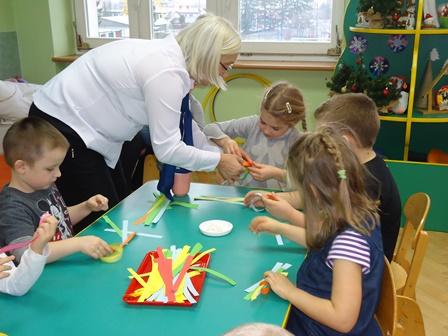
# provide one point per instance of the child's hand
(277, 207)
(262, 172)
(279, 284)
(44, 233)
(94, 247)
(3, 267)
(254, 196)
(97, 203)
(264, 224)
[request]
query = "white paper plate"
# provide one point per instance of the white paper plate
(215, 227)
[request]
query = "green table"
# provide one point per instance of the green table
(81, 296)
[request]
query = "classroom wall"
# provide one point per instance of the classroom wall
(243, 96)
(44, 29)
(9, 50)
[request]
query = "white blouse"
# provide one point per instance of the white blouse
(111, 92)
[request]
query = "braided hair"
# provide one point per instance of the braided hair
(331, 180)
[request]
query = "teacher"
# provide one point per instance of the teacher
(107, 95)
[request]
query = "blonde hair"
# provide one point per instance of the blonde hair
(355, 112)
(203, 43)
(28, 138)
(331, 180)
(258, 329)
(285, 102)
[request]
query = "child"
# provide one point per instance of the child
(18, 280)
(34, 150)
(268, 136)
(258, 329)
(338, 283)
(356, 116)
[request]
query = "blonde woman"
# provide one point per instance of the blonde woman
(107, 95)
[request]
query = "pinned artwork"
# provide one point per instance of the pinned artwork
(379, 66)
(442, 98)
(358, 44)
(397, 43)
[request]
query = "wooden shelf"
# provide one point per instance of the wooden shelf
(394, 118)
(64, 59)
(383, 31)
(434, 31)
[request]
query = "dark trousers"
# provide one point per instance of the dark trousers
(84, 172)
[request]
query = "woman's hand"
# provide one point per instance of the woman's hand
(230, 167)
(228, 145)
(280, 284)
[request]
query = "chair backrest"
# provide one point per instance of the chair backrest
(386, 311)
(410, 319)
(414, 241)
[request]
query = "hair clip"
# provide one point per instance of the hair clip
(288, 107)
(266, 94)
(342, 174)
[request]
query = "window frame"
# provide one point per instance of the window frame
(140, 17)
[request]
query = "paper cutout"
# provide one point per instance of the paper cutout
(169, 280)
(256, 289)
(153, 211)
(140, 234)
(230, 200)
(113, 225)
(279, 240)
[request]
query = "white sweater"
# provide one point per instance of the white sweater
(23, 277)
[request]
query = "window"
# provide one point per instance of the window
(266, 26)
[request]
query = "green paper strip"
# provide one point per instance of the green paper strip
(113, 225)
(185, 204)
(216, 274)
(157, 206)
(216, 199)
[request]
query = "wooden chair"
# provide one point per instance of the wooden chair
(397, 315)
(407, 262)
(386, 311)
(409, 317)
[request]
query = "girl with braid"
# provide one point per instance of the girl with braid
(268, 136)
(337, 287)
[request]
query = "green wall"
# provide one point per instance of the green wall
(43, 31)
(6, 18)
(244, 96)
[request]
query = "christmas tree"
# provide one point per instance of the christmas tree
(385, 7)
(348, 79)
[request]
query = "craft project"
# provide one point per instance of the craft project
(231, 200)
(152, 215)
(215, 228)
(173, 276)
(261, 286)
(117, 248)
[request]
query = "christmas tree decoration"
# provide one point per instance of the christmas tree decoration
(430, 14)
(378, 66)
(421, 100)
(358, 44)
(397, 43)
(378, 10)
(383, 92)
(443, 15)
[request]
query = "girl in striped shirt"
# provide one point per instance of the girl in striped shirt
(338, 284)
